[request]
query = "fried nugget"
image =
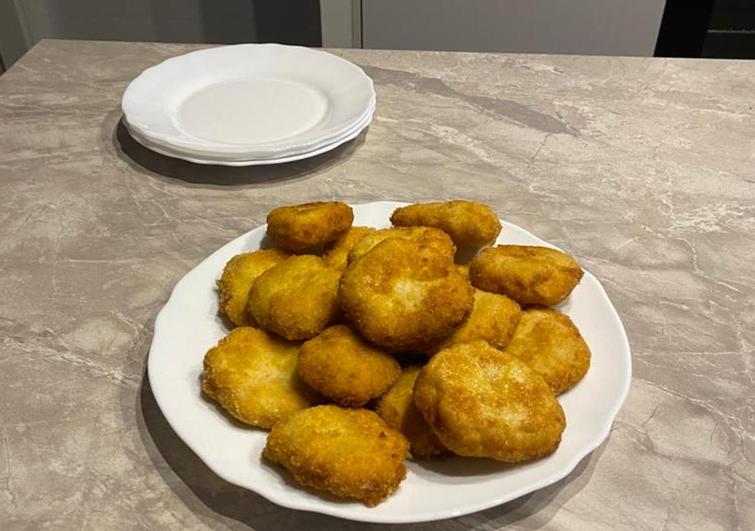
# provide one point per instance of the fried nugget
(236, 280)
(528, 274)
(397, 409)
(343, 367)
(403, 295)
(467, 222)
(298, 227)
(296, 299)
(494, 318)
(336, 254)
(482, 402)
(252, 375)
(549, 343)
(349, 453)
(423, 235)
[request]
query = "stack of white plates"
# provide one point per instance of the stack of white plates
(248, 104)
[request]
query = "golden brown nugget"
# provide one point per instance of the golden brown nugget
(296, 299)
(397, 409)
(467, 222)
(236, 280)
(526, 273)
(342, 366)
(252, 375)
(494, 318)
(404, 296)
(482, 402)
(349, 453)
(549, 343)
(298, 227)
(464, 270)
(423, 235)
(336, 254)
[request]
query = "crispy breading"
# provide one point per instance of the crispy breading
(403, 295)
(236, 280)
(549, 343)
(296, 228)
(296, 299)
(424, 235)
(528, 274)
(348, 453)
(252, 375)
(467, 222)
(493, 318)
(337, 253)
(482, 402)
(345, 368)
(397, 409)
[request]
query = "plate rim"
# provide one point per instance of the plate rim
(594, 443)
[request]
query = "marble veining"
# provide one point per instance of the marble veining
(642, 168)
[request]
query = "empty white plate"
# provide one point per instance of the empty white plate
(247, 102)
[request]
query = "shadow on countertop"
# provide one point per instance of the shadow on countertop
(141, 158)
(213, 498)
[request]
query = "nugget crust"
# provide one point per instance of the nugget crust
(493, 318)
(349, 453)
(252, 375)
(467, 222)
(482, 402)
(423, 235)
(337, 253)
(236, 280)
(343, 367)
(298, 227)
(404, 296)
(397, 409)
(296, 299)
(528, 274)
(549, 343)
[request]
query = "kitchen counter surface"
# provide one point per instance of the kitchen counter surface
(642, 168)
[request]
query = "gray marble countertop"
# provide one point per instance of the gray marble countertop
(642, 168)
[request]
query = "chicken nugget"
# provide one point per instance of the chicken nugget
(482, 402)
(348, 453)
(296, 299)
(549, 343)
(467, 222)
(404, 296)
(528, 274)
(424, 235)
(298, 227)
(397, 409)
(236, 280)
(343, 367)
(336, 254)
(494, 318)
(252, 375)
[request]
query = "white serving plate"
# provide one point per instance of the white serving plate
(189, 325)
(247, 101)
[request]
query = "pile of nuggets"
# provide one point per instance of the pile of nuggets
(359, 348)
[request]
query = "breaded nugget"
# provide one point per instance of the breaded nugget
(336, 254)
(236, 280)
(424, 235)
(549, 343)
(526, 273)
(403, 295)
(467, 222)
(494, 318)
(296, 299)
(397, 409)
(252, 375)
(298, 227)
(349, 453)
(343, 367)
(464, 270)
(482, 402)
